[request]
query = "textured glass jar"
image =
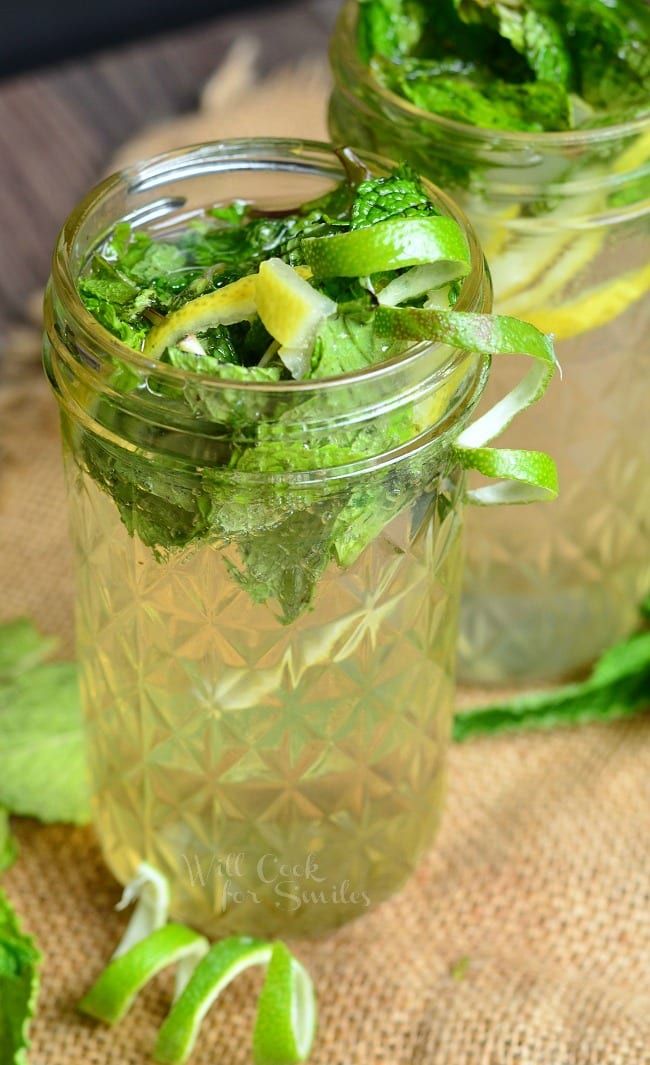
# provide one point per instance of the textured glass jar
(285, 773)
(564, 219)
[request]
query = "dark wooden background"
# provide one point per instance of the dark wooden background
(60, 124)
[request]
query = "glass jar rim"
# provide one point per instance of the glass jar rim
(345, 38)
(291, 154)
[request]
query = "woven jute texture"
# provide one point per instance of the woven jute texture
(524, 937)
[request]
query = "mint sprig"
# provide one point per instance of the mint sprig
(536, 65)
(618, 686)
(8, 844)
(19, 983)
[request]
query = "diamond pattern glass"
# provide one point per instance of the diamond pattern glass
(549, 586)
(284, 777)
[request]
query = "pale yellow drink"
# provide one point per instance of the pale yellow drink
(284, 778)
(268, 579)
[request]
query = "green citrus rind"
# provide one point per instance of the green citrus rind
(286, 1012)
(113, 993)
(525, 476)
(388, 245)
(223, 962)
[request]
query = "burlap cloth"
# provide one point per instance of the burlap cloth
(524, 938)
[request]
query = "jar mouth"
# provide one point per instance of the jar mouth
(95, 346)
(344, 39)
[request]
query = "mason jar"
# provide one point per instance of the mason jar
(280, 759)
(564, 222)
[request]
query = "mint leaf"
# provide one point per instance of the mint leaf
(21, 647)
(619, 686)
(19, 984)
(41, 745)
(389, 27)
(482, 100)
(8, 845)
(512, 65)
(402, 195)
(610, 40)
(531, 30)
(285, 562)
(343, 345)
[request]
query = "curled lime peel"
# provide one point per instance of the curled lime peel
(112, 995)
(151, 890)
(388, 245)
(530, 476)
(286, 1012)
(485, 334)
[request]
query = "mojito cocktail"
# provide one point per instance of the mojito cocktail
(257, 351)
(536, 115)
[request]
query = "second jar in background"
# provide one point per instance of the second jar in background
(564, 221)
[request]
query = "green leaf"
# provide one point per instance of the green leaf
(389, 27)
(401, 195)
(285, 562)
(618, 687)
(8, 845)
(343, 345)
(531, 30)
(19, 984)
(21, 647)
(610, 43)
(491, 103)
(512, 64)
(41, 745)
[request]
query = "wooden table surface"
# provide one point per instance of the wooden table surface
(60, 125)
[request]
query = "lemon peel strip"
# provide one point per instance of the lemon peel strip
(594, 308)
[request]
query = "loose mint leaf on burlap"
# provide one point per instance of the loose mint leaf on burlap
(619, 686)
(21, 647)
(8, 845)
(19, 984)
(41, 747)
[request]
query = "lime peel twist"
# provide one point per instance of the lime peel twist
(388, 245)
(112, 995)
(530, 475)
(151, 890)
(286, 1013)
